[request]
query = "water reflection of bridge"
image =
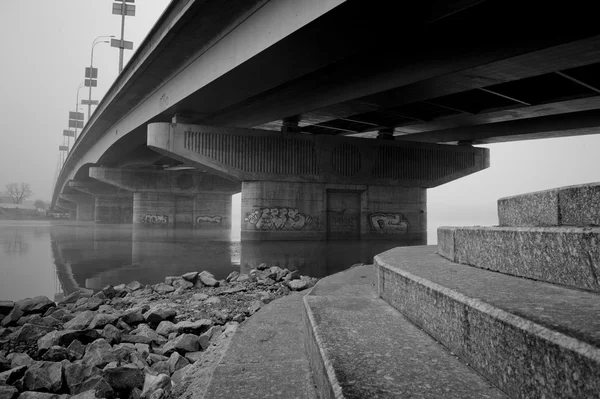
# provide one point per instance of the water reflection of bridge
(89, 256)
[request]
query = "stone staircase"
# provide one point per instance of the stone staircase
(491, 312)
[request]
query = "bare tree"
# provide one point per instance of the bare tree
(18, 191)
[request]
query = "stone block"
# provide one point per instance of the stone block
(563, 255)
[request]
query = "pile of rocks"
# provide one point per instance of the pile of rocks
(127, 341)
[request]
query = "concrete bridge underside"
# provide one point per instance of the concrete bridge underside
(331, 117)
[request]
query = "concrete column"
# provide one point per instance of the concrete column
(212, 211)
(84, 203)
(317, 211)
(111, 209)
(154, 209)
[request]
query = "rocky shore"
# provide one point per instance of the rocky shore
(129, 341)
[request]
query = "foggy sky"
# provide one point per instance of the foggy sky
(46, 47)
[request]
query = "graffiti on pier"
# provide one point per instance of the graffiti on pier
(388, 223)
(281, 219)
(210, 219)
(154, 219)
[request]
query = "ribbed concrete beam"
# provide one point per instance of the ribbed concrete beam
(174, 182)
(259, 155)
(99, 189)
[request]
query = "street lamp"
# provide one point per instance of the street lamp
(91, 73)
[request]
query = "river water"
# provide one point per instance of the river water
(54, 258)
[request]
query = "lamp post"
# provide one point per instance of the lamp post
(90, 75)
(77, 111)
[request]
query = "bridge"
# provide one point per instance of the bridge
(331, 117)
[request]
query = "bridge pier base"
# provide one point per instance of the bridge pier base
(318, 211)
(84, 206)
(112, 209)
(154, 209)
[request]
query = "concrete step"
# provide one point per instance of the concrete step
(564, 206)
(562, 255)
(361, 347)
(531, 339)
(266, 358)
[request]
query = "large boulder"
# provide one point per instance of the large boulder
(103, 319)
(6, 307)
(30, 333)
(134, 286)
(193, 327)
(81, 321)
(153, 383)
(182, 344)
(76, 374)
(163, 288)
(20, 359)
(176, 361)
(9, 377)
(158, 313)
(165, 328)
(39, 304)
(65, 337)
(191, 276)
(11, 319)
(98, 385)
(8, 392)
(99, 353)
(44, 376)
(57, 353)
(124, 379)
(208, 279)
(112, 334)
(133, 317)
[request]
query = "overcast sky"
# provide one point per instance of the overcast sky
(46, 47)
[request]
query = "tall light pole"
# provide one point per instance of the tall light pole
(124, 10)
(91, 73)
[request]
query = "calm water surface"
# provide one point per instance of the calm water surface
(57, 258)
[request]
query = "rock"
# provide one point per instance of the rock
(165, 328)
(176, 361)
(153, 383)
(89, 394)
(43, 376)
(111, 365)
(204, 341)
(98, 385)
(135, 339)
(234, 290)
(143, 330)
(99, 353)
(30, 332)
(158, 394)
(242, 277)
(179, 375)
(123, 351)
(182, 344)
(8, 392)
(11, 376)
(93, 303)
(39, 304)
(213, 300)
(109, 291)
(112, 334)
(158, 313)
(193, 356)
(255, 306)
(161, 367)
(77, 349)
(41, 395)
(232, 276)
(71, 298)
(106, 309)
(76, 373)
(262, 266)
(155, 358)
(65, 337)
(191, 276)
(121, 325)
(134, 286)
(135, 394)
(193, 327)
(133, 317)
(57, 353)
(208, 279)
(298, 285)
(163, 288)
(294, 275)
(20, 359)
(102, 319)
(124, 379)
(199, 297)
(5, 363)
(6, 306)
(169, 279)
(12, 318)
(182, 284)
(81, 321)
(143, 349)
(50, 321)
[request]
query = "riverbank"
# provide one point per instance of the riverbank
(129, 341)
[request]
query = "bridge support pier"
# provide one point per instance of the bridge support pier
(84, 205)
(318, 211)
(300, 186)
(112, 209)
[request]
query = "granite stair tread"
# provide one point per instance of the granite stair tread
(266, 357)
(531, 338)
(570, 206)
(364, 348)
(562, 255)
